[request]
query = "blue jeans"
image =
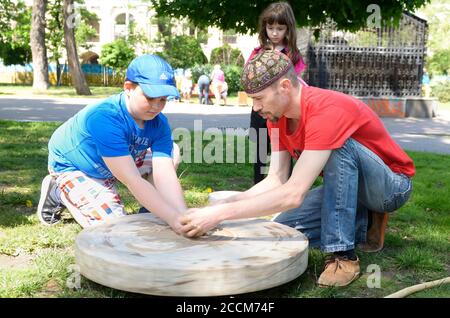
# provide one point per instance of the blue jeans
(334, 215)
(203, 91)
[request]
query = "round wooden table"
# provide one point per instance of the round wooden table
(140, 253)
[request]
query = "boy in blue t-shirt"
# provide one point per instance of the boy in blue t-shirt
(125, 138)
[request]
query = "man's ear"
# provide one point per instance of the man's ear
(285, 85)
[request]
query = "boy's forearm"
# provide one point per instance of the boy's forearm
(170, 189)
(167, 184)
(151, 199)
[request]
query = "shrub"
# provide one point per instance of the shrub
(117, 54)
(439, 63)
(183, 51)
(441, 91)
(226, 55)
(199, 69)
(233, 78)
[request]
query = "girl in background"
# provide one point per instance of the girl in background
(217, 82)
(277, 31)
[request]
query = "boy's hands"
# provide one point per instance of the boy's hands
(175, 222)
(198, 221)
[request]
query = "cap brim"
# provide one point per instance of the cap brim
(154, 91)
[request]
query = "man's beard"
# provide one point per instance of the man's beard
(270, 117)
(273, 119)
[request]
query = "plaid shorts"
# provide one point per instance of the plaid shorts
(93, 201)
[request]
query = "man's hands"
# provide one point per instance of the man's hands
(197, 222)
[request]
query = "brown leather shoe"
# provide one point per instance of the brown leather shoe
(339, 271)
(375, 234)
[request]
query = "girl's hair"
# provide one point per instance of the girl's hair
(281, 13)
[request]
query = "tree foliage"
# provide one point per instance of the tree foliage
(117, 54)
(84, 31)
(227, 55)
(437, 15)
(15, 24)
(233, 78)
(183, 51)
(439, 63)
(243, 15)
(441, 90)
(55, 28)
(438, 49)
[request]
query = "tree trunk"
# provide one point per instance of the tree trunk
(38, 48)
(58, 73)
(78, 79)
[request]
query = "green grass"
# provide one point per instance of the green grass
(417, 245)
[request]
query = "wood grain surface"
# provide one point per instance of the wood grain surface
(140, 253)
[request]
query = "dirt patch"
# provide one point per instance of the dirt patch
(51, 290)
(20, 261)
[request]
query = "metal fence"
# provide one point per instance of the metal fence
(96, 74)
(383, 61)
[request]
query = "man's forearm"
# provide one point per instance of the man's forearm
(267, 184)
(276, 200)
(285, 197)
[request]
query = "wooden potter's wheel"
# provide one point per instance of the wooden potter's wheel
(140, 253)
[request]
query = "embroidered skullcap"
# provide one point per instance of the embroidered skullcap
(264, 69)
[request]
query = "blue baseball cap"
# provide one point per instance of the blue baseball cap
(154, 75)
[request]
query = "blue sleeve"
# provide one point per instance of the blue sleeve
(163, 142)
(108, 133)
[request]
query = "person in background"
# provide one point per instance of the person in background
(186, 86)
(203, 89)
(426, 83)
(217, 81)
(224, 92)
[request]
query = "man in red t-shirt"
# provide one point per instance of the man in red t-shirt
(330, 134)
